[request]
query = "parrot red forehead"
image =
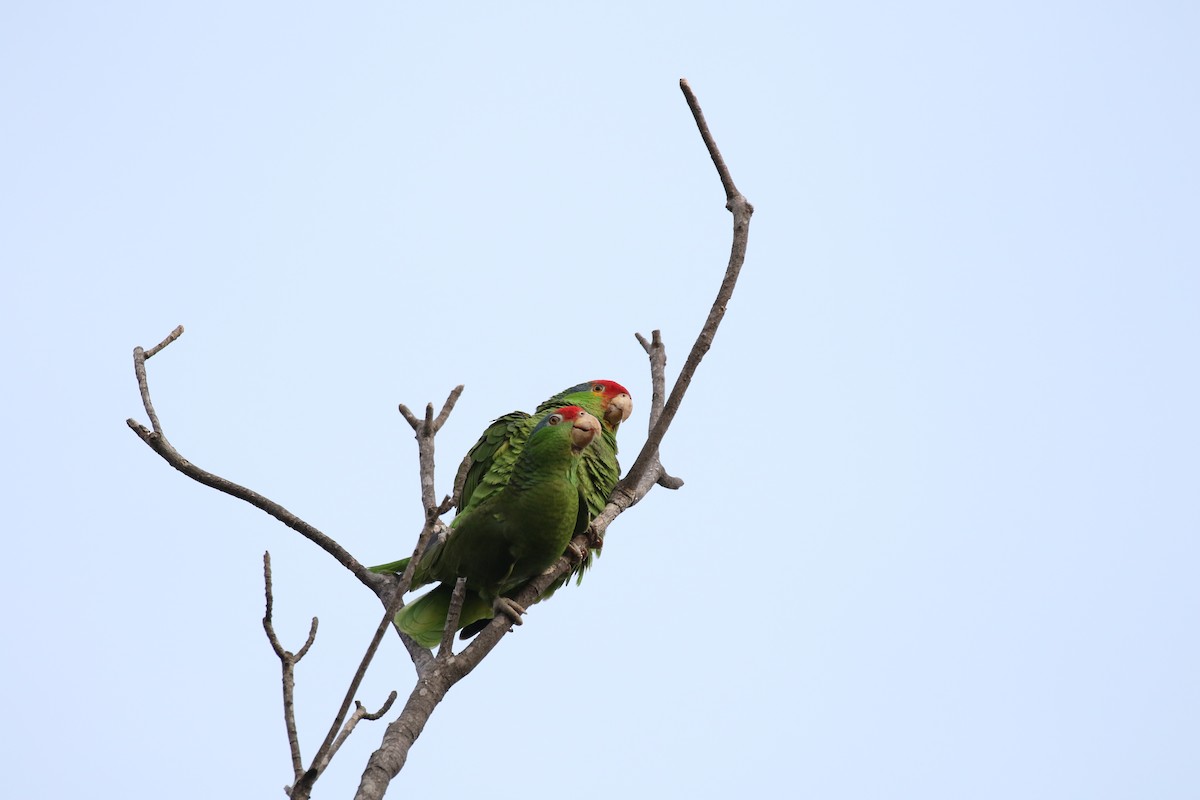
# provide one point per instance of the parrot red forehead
(569, 412)
(611, 388)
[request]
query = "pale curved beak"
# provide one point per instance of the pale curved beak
(584, 430)
(619, 409)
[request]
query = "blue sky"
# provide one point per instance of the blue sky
(939, 536)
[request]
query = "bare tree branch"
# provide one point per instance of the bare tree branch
(719, 162)
(658, 366)
(359, 713)
(452, 614)
(425, 429)
(288, 663)
(304, 783)
(742, 210)
(387, 588)
(157, 440)
(139, 369)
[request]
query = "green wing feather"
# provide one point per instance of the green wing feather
(500, 542)
(493, 456)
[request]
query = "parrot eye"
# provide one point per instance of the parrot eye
(554, 419)
(598, 389)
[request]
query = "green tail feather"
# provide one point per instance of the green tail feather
(424, 619)
(393, 567)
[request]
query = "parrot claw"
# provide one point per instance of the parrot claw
(595, 540)
(580, 552)
(509, 608)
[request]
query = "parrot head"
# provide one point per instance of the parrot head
(614, 399)
(584, 427)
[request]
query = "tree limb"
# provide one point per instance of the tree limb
(157, 440)
(387, 588)
(288, 663)
(452, 614)
(425, 430)
(360, 713)
(657, 353)
(647, 459)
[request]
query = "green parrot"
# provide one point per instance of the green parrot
(502, 541)
(493, 456)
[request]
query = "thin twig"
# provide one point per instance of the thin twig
(460, 480)
(139, 369)
(742, 210)
(359, 714)
(718, 161)
(657, 353)
(447, 407)
(312, 637)
(172, 336)
(157, 440)
(304, 782)
(452, 614)
(425, 430)
(658, 365)
(288, 663)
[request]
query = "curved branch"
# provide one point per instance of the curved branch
(287, 662)
(139, 369)
(657, 353)
(452, 614)
(647, 459)
(157, 440)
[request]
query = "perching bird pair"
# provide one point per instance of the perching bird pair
(533, 482)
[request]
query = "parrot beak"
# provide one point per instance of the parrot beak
(619, 409)
(584, 430)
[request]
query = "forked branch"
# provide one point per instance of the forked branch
(156, 438)
(287, 661)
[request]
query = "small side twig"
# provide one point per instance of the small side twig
(425, 429)
(452, 614)
(288, 663)
(139, 369)
(360, 713)
(305, 781)
(657, 353)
